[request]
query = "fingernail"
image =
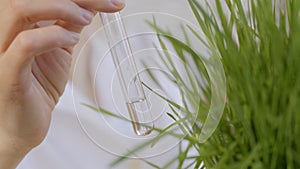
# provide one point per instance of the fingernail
(118, 3)
(87, 15)
(75, 37)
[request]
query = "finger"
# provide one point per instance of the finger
(52, 71)
(63, 24)
(69, 26)
(102, 5)
(37, 10)
(20, 14)
(31, 43)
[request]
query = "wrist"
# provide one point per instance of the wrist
(11, 152)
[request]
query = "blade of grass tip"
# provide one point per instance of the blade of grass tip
(165, 51)
(194, 116)
(186, 131)
(198, 58)
(159, 52)
(169, 77)
(232, 17)
(178, 50)
(150, 163)
(254, 19)
(212, 17)
(164, 131)
(160, 33)
(166, 99)
(153, 25)
(185, 34)
(183, 98)
(193, 98)
(185, 127)
(249, 14)
(152, 77)
(103, 111)
(180, 47)
(167, 65)
(132, 152)
(167, 55)
(178, 122)
(222, 16)
(242, 13)
(198, 17)
(181, 83)
(208, 20)
(209, 16)
(199, 37)
(172, 117)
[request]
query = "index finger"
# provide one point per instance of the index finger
(102, 5)
(32, 11)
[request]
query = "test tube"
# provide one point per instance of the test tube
(135, 99)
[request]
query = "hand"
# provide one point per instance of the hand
(34, 66)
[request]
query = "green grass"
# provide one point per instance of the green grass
(258, 45)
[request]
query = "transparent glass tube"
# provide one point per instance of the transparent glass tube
(132, 89)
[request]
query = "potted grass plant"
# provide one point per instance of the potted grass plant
(258, 44)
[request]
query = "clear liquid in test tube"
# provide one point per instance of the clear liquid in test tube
(135, 99)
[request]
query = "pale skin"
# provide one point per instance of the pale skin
(35, 65)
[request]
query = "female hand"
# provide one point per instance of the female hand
(34, 66)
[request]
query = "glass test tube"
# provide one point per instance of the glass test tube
(132, 89)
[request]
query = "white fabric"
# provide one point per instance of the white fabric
(67, 145)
